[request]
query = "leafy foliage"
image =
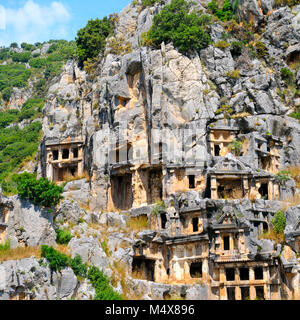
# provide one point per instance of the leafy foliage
(57, 261)
(41, 192)
(149, 3)
(15, 146)
(101, 284)
(279, 222)
(224, 13)
(63, 236)
(15, 75)
(175, 24)
(79, 268)
(287, 75)
(91, 39)
(236, 147)
(5, 247)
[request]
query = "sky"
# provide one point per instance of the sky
(34, 21)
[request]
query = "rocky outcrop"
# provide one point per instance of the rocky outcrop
(27, 279)
(29, 225)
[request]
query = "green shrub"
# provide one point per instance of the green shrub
(15, 146)
(261, 49)
(235, 147)
(279, 222)
(221, 44)
(41, 192)
(5, 247)
(8, 117)
(149, 3)
(38, 63)
(159, 206)
(4, 54)
(63, 236)
(80, 269)
(175, 24)
(101, 284)
(284, 176)
(91, 39)
(27, 46)
(6, 94)
(15, 75)
(57, 261)
(287, 75)
(21, 57)
(224, 13)
(295, 115)
(235, 74)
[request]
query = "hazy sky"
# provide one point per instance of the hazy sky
(41, 20)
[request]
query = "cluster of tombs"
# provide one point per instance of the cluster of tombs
(250, 174)
(210, 246)
(192, 245)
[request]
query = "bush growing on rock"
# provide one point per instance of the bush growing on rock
(57, 261)
(63, 236)
(175, 24)
(149, 3)
(41, 192)
(224, 13)
(91, 39)
(287, 75)
(279, 222)
(80, 269)
(101, 284)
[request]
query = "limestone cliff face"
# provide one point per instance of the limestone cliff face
(200, 104)
(154, 89)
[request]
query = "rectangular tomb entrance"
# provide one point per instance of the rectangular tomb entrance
(155, 186)
(143, 268)
(121, 188)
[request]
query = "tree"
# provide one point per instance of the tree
(6, 94)
(14, 45)
(175, 24)
(41, 192)
(91, 39)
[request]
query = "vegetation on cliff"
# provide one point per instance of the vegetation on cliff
(58, 261)
(187, 31)
(91, 39)
(41, 192)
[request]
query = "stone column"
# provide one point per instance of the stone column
(51, 172)
(205, 269)
(246, 187)
(252, 293)
(238, 293)
(80, 168)
(71, 154)
(214, 188)
(223, 292)
(80, 152)
(270, 190)
(251, 274)
(231, 242)
(60, 153)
